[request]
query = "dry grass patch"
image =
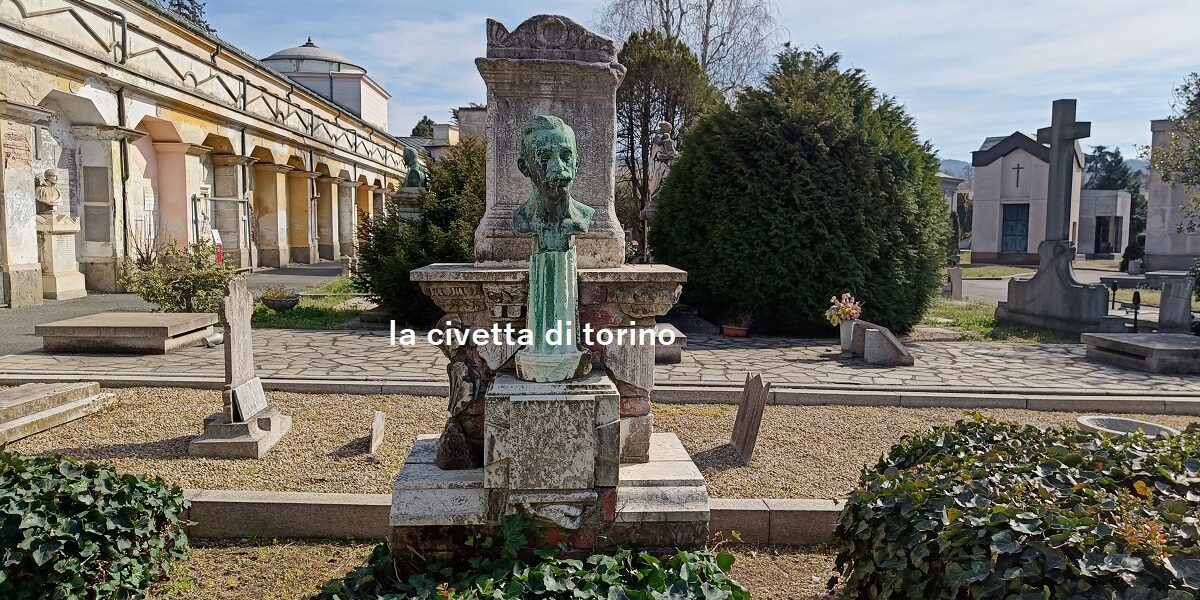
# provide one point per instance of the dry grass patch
(260, 570)
(816, 451)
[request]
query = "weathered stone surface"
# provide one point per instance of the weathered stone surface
(423, 476)
(880, 347)
(1175, 353)
(225, 514)
(803, 522)
(32, 408)
(1175, 306)
(425, 495)
(247, 399)
(750, 518)
(670, 354)
(126, 333)
(250, 439)
(749, 416)
(546, 436)
(636, 433)
(550, 65)
(662, 504)
(661, 473)
(235, 311)
(378, 427)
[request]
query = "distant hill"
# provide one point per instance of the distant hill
(957, 168)
(1137, 164)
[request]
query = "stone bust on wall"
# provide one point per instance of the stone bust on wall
(47, 195)
(417, 177)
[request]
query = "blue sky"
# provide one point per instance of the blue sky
(966, 69)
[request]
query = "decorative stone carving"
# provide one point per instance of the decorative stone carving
(49, 199)
(550, 65)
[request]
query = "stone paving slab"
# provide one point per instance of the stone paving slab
(710, 361)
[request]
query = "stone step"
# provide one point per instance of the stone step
(38, 422)
(24, 400)
(662, 504)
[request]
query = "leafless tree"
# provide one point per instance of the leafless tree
(733, 39)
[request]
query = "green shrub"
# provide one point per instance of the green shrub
(1132, 251)
(495, 569)
(985, 510)
(390, 245)
(1194, 273)
(179, 279)
(814, 185)
(72, 530)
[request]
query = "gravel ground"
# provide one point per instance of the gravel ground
(147, 431)
(802, 451)
(286, 570)
(815, 451)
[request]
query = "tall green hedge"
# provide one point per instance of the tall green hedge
(390, 246)
(813, 185)
(74, 530)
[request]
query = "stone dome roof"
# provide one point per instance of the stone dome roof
(310, 51)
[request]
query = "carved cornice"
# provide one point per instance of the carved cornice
(232, 160)
(299, 174)
(273, 168)
(549, 37)
(23, 113)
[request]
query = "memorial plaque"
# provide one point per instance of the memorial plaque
(249, 399)
(17, 146)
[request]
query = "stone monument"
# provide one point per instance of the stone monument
(1053, 299)
(405, 198)
(247, 426)
(1175, 305)
(555, 429)
(665, 154)
(61, 279)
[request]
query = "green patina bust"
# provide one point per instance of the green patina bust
(417, 175)
(549, 158)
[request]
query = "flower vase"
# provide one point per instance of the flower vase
(846, 329)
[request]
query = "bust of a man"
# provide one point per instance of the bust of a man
(417, 175)
(548, 159)
(47, 195)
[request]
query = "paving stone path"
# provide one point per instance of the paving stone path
(717, 361)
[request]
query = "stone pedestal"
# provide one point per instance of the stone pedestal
(251, 438)
(61, 279)
(1052, 299)
(405, 202)
(626, 297)
(550, 65)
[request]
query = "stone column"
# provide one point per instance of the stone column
(550, 65)
(175, 210)
(270, 208)
(302, 241)
(327, 218)
(20, 271)
(347, 217)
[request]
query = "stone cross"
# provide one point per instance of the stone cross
(243, 394)
(1061, 135)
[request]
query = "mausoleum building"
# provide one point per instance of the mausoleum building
(1009, 219)
(1167, 248)
(157, 131)
(1103, 222)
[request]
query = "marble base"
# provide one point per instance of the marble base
(552, 367)
(659, 504)
(249, 439)
(1053, 300)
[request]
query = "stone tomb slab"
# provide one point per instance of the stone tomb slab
(1166, 353)
(32, 408)
(126, 332)
(249, 439)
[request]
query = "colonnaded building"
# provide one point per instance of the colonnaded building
(157, 131)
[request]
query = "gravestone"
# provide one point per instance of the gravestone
(1175, 306)
(749, 416)
(1053, 299)
(247, 426)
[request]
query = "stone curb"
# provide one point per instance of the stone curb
(271, 515)
(230, 514)
(1116, 401)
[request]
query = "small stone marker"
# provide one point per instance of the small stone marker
(749, 416)
(377, 425)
